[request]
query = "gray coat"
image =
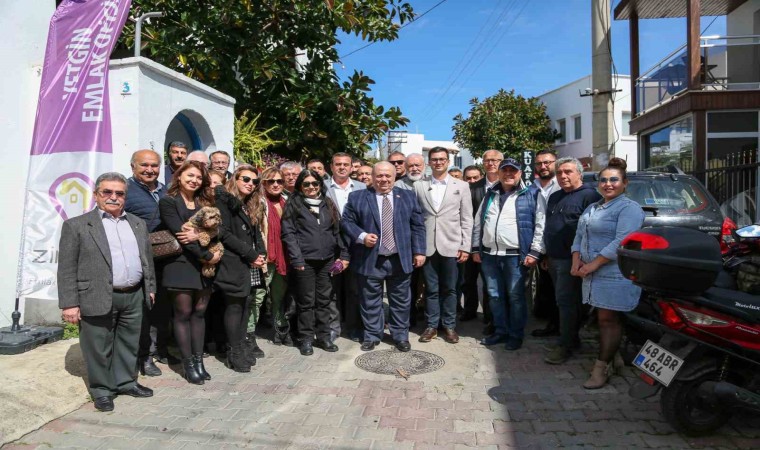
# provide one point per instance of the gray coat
(85, 278)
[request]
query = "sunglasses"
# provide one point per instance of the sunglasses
(397, 162)
(611, 180)
(310, 184)
(274, 181)
(249, 180)
(107, 193)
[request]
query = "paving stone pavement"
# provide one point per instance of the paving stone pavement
(481, 398)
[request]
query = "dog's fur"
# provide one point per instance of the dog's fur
(206, 223)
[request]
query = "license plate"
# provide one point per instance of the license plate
(658, 363)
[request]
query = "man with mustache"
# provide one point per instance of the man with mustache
(176, 154)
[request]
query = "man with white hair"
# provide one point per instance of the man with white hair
(415, 170)
(200, 156)
(290, 171)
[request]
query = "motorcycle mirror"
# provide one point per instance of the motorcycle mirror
(750, 231)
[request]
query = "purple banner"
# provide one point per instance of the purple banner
(73, 110)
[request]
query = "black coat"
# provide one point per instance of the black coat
(306, 238)
(182, 272)
(477, 192)
(242, 245)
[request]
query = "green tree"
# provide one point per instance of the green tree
(276, 57)
(506, 122)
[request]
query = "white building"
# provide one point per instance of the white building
(408, 143)
(570, 115)
(150, 106)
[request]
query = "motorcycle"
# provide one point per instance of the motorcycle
(699, 336)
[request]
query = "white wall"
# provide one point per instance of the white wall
(415, 142)
(565, 102)
(23, 35)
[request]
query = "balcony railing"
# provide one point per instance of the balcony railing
(727, 62)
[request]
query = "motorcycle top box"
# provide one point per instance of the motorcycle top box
(670, 259)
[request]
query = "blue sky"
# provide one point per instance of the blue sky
(472, 48)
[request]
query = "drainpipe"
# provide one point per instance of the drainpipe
(138, 29)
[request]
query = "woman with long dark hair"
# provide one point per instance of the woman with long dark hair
(182, 277)
(600, 229)
(240, 267)
(311, 232)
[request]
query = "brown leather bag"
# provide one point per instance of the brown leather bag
(164, 244)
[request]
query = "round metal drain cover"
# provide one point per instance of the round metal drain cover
(388, 362)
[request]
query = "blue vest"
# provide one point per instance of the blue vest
(525, 210)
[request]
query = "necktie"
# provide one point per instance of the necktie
(388, 240)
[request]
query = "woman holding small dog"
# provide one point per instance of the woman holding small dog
(311, 232)
(182, 277)
(240, 268)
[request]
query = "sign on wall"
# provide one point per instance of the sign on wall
(71, 144)
(527, 173)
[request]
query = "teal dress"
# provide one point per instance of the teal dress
(601, 227)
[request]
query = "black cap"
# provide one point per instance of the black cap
(510, 162)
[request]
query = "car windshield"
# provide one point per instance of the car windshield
(681, 195)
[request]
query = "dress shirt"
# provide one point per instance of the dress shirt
(125, 253)
(341, 194)
(543, 194)
(437, 190)
(379, 198)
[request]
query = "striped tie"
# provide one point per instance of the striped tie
(388, 240)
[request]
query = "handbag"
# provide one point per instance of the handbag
(164, 244)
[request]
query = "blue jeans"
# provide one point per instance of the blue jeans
(505, 282)
(567, 292)
(441, 275)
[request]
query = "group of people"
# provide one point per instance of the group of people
(323, 249)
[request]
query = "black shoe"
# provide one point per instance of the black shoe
(252, 348)
(368, 345)
(199, 367)
(167, 359)
(550, 330)
(190, 374)
(403, 346)
(466, 316)
(149, 368)
(138, 390)
(237, 359)
(493, 340)
(513, 344)
(326, 345)
(306, 348)
(104, 404)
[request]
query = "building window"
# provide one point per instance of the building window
(458, 161)
(577, 132)
(671, 145)
(562, 129)
(626, 127)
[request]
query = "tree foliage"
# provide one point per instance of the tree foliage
(506, 122)
(276, 57)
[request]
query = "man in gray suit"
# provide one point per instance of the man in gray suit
(105, 272)
(447, 206)
(346, 306)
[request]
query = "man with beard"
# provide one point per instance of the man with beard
(414, 169)
(355, 164)
(546, 184)
(177, 153)
(398, 160)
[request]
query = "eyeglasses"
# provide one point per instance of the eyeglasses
(544, 163)
(107, 193)
(611, 180)
(492, 161)
(249, 180)
(274, 181)
(397, 162)
(310, 184)
(438, 160)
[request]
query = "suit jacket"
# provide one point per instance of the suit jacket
(361, 215)
(85, 277)
(449, 228)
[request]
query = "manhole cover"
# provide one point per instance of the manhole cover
(387, 362)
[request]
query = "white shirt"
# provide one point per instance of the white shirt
(341, 194)
(489, 184)
(437, 190)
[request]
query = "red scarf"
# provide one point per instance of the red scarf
(275, 252)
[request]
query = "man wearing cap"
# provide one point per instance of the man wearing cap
(507, 239)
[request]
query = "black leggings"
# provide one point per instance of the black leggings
(190, 321)
(236, 318)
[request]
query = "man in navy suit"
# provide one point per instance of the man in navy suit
(387, 232)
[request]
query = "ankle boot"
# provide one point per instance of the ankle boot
(191, 375)
(599, 375)
(236, 359)
(253, 347)
(199, 367)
